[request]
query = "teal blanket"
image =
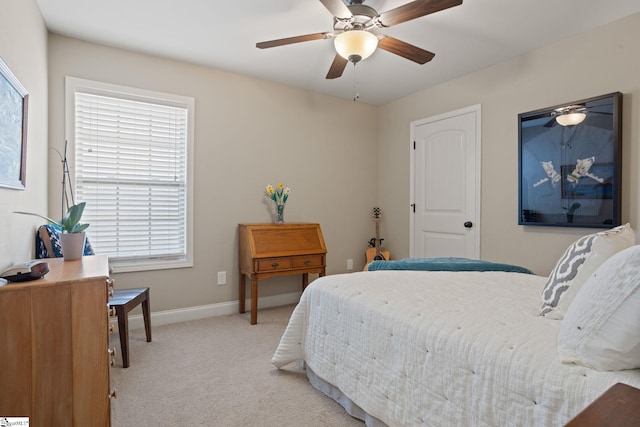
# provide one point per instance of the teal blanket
(445, 264)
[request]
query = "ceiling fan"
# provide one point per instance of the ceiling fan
(572, 115)
(569, 115)
(353, 30)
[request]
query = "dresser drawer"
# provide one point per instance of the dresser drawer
(307, 261)
(274, 264)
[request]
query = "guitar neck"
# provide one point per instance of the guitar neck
(377, 243)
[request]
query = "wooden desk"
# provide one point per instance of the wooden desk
(269, 250)
(618, 406)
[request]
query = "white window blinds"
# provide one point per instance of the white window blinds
(131, 169)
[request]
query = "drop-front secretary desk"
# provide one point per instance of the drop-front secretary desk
(269, 250)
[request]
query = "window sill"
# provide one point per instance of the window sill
(147, 265)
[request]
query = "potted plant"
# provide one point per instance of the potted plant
(571, 210)
(72, 236)
(70, 222)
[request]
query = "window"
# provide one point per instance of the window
(133, 168)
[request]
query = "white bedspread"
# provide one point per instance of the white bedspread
(419, 348)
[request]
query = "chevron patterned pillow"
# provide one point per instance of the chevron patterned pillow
(578, 262)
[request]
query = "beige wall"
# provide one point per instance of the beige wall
(598, 62)
(248, 133)
(23, 47)
(244, 127)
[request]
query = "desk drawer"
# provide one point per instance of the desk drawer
(307, 261)
(274, 264)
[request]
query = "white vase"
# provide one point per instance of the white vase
(72, 245)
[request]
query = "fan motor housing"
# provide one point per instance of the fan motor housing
(362, 15)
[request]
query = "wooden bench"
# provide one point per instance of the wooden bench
(123, 301)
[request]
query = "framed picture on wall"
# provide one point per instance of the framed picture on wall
(570, 164)
(14, 103)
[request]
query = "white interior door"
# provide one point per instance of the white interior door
(445, 185)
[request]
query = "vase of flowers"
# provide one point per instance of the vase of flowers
(279, 195)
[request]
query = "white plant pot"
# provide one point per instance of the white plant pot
(72, 245)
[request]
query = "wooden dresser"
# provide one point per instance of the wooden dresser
(54, 360)
(618, 406)
(269, 250)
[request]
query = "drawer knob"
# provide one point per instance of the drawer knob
(113, 394)
(111, 293)
(111, 311)
(110, 282)
(275, 265)
(307, 262)
(112, 356)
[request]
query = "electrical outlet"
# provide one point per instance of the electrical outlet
(349, 264)
(222, 277)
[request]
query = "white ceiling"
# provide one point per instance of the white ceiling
(223, 34)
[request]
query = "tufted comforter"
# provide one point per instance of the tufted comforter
(414, 348)
(444, 264)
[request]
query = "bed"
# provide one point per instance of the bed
(416, 348)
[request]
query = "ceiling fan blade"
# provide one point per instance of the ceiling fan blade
(337, 8)
(414, 10)
(291, 40)
(337, 67)
(539, 116)
(405, 50)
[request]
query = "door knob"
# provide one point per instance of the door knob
(468, 224)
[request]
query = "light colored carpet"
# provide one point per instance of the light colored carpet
(217, 372)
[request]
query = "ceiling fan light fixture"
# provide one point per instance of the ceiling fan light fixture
(570, 119)
(356, 45)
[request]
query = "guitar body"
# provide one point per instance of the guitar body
(371, 256)
(374, 253)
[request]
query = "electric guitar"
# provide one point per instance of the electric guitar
(374, 252)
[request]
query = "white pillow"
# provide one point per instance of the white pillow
(579, 261)
(601, 329)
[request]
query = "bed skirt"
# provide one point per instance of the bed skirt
(334, 393)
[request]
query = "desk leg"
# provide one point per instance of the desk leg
(254, 301)
(305, 280)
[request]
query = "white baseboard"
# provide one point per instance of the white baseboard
(202, 311)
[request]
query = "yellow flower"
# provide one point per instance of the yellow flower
(280, 194)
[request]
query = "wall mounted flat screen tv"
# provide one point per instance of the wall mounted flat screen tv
(570, 164)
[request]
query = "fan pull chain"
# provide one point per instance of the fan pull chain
(356, 95)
